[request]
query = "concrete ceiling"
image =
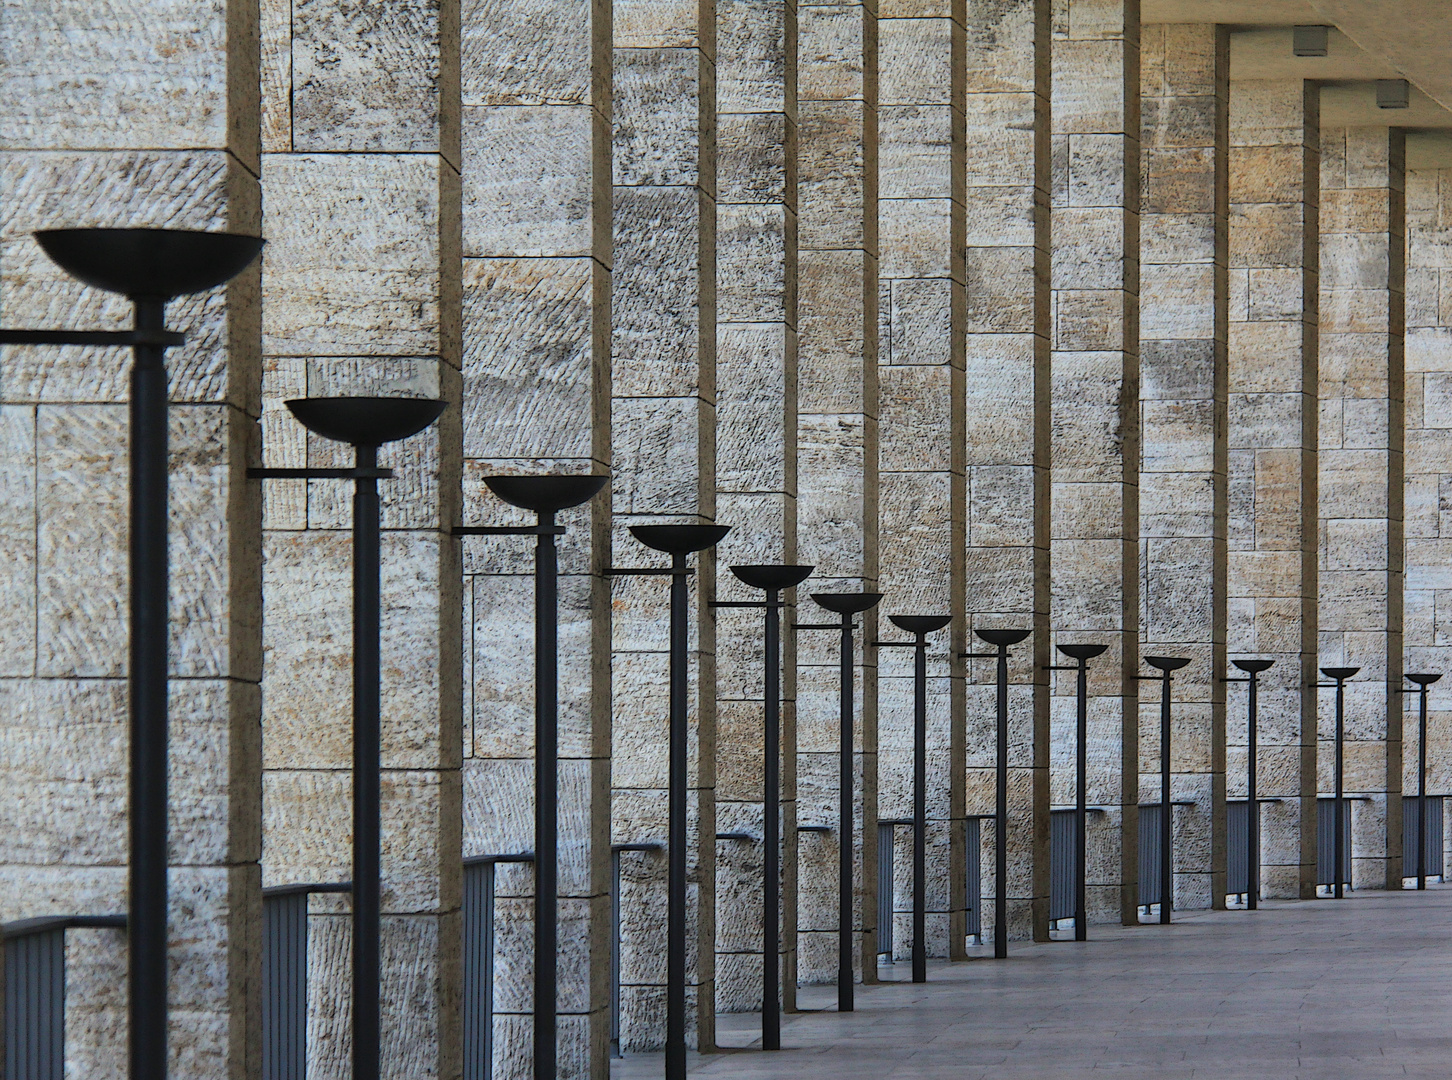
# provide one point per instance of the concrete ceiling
(1373, 39)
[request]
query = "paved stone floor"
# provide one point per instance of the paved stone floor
(1322, 990)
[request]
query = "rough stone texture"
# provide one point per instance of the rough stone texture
(1095, 432)
(663, 350)
(362, 295)
(756, 403)
(1184, 171)
(1274, 242)
(1361, 432)
(109, 126)
(536, 387)
(1428, 466)
(837, 459)
(1006, 415)
(921, 497)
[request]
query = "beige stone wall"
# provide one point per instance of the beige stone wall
(1183, 312)
(1006, 428)
(536, 392)
(361, 294)
(663, 443)
(1362, 380)
(107, 126)
(1428, 466)
(920, 380)
(837, 455)
(1274, 247)
(1095, 423)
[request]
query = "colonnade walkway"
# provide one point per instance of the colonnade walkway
(1356, 989)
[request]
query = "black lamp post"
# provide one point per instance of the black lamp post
(920, 626)
(1252, 669)
(545, 496)
(1165, 664)
(1001, 640)
(677, 541)
(1339, 675)
(1083, 654)
(366, 423)
(772, 580)
(150, 267)
(845, 605)
(1423, 681)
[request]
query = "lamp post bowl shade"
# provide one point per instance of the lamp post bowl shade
(1253, 667)
(150, 263)
(679, 539)
(849, 603)
(1082, 651)
(773, 576)
(920, 624)
(1003, 637)
(546, 494)
(366, 421)
(1339, 673)
(1167, 663)
(1422, 679)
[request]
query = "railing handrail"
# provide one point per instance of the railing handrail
(509, 857)
(310, 887)
(46, 923)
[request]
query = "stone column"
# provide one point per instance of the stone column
(1006, 416)
(837, 453)
(1183, 315)
(663, 366)
(1362, 427)
(922, 494)
(1428, 467)
(361, 289)
(1274, 235)
(536, 392)
(1095, 473)
(756, 390)
(93, 118)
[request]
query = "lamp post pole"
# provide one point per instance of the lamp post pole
(1166, 664)
(1252, 669)
(920, 626)
(1082, 654)
(1423, 681)
(1339, 675)
(150, 267)
(678, 541)
(545, 496)
(366, 423)
(846, 605)
(1001, 640)
(772, 580)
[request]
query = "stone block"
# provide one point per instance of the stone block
(1001, 287)
(532, 180)
(369, 77)
(657, 138)
(1090, 87)
(657, 446)
(531, 345)
(920, 323)
(915, 61)
(916, 155)
(751, 56)
(535, 55)
(752, 165)
(1001, 146)
(1177, 302)
(661, 304)
(755, 281)
(830, 52)
(1087, 242)
(916, 238)
(659, 24)
(832, 190)
(352, 263)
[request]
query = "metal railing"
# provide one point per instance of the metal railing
(285, 978)
(1062, 872)
(1410, 865)
(478, 996)
(35, 992)
(1326, 841)
(1151, 833)
(615, 852)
